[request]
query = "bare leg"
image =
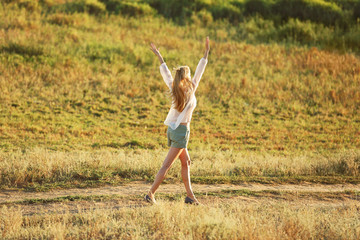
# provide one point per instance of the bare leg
(185, 172)
(171, 156)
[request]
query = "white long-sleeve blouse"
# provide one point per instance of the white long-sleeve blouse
(174, 117)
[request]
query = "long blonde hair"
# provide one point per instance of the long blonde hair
(182, 88)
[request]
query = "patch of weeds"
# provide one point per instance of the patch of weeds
(23, 50)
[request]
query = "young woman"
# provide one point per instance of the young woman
(182, 89)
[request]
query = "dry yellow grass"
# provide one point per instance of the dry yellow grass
(232, 219)
(40, 166)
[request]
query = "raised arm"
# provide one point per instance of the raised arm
(156, 52)
(202, 64)
(164, 70)
(207, 48)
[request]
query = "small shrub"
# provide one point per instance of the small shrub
(202, 18)
(297, 31)
(90, 6)
(314, 10)
(227, 11)
(261, 7)
(179, 11)
(24, 50)
(29, 5)
(345, 4)
(346, 41)
(134, 9)
(93, 6)
(348, 164)
(61, 19)
(103, 53)
(238, 3)
(258, 28)
(47, 3)
(356, 13)
(202, 4)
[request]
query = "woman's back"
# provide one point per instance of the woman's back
(174, 117)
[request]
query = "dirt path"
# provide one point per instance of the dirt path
(131, 196)
(136, 188)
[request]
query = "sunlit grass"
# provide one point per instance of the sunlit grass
(82, 103)
(43, 168)
(234, 219)
(85, 85)
(76, 81)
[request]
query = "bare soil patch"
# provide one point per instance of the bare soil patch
(141, 187)
(131, 196)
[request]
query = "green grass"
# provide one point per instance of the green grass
(92, 83)
(75, 82)
(82, 104)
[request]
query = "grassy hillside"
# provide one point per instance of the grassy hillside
(82, 104)
(88, 81)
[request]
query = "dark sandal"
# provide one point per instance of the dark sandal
(191, 201)
(148, 199)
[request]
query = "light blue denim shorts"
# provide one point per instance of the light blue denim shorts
(179, 137)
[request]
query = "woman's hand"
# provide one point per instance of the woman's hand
(207, 44)
(154, 49)
(207, 47)
(156, 52)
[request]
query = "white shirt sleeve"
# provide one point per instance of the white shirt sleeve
(199, 71)
(166, 74)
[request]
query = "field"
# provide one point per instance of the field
(275, 136)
